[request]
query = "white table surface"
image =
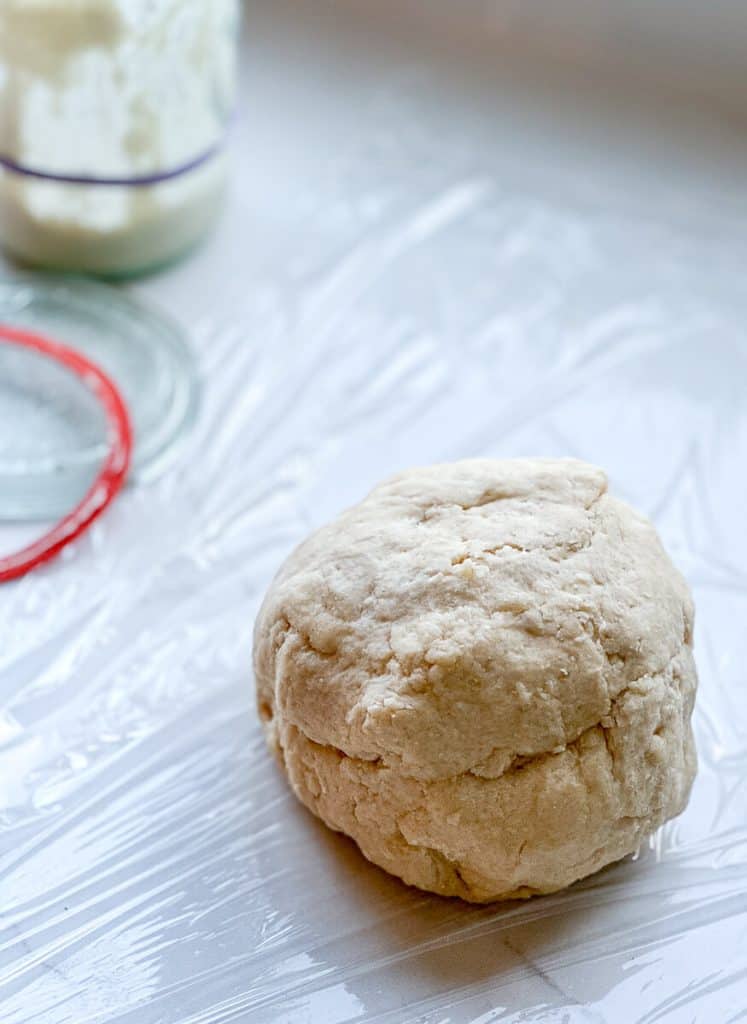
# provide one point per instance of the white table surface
(433, 248)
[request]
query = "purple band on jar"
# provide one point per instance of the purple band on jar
(135, 181)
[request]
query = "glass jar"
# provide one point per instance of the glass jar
(113, 115)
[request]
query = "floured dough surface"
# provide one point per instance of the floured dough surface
(483, 673)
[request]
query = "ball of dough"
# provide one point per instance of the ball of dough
(483, 674)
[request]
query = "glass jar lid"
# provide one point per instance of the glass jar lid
(52, 431)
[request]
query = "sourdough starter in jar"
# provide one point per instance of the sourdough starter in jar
(112, 119)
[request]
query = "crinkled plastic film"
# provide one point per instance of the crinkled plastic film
(422, 259)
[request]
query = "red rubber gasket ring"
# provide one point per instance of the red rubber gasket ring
(110, 477)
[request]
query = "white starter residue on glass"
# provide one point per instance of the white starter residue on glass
(112, 89)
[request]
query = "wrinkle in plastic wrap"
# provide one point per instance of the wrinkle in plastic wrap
(155, 867)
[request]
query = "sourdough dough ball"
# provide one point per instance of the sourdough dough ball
(483, 673)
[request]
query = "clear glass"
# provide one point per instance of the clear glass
(52, 432)
(113, 115)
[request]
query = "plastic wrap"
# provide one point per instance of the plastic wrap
(420, 262)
